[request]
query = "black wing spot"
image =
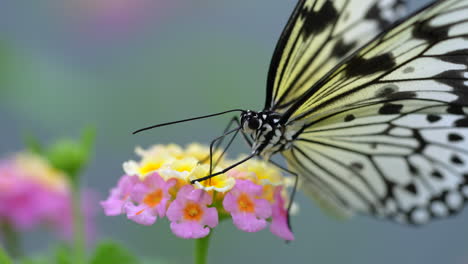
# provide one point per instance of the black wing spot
(456, 56)
(340, 49)
(386, 90)
(413, 169)
(456, 160)
(462, 122)
(408, 69)
(375, 13)
(429, 33)
(390, 109)
(437, 174)
(402, 95)
(411, 188)
(432, 118)
(318, 21)
(454, 137)
(455, 109)
(359, 66)
(357, 165)
(349, 118)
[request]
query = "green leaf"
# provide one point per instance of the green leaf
(71, 156)
(63, 254)
(4, 257)
(154, 261)
(110, 253)
(35, 260)
(68, 156)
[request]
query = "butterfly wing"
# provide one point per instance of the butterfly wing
(318, 35)
(386, 132)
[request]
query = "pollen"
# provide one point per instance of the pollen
(245, 203)
(193, 212)
(154, 198)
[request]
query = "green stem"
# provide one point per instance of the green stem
(4, 257)
(201, 249)
(11, 239)
(79, 244)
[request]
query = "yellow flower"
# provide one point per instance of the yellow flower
(170, 161)
(220, 183)
(258, 171)
(179, 169)
(202, 153)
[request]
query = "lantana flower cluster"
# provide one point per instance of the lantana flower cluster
(33, 193)
(252, 194)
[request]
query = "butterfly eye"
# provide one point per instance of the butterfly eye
(254, 123)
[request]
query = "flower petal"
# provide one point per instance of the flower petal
(210, 218)
(139, 191)
(229, 203)
(248, 222)
(189, 230)
(140, 214)
(113, 206)
(154, 181)
(174, 212)
(279, 224)
(262, 208)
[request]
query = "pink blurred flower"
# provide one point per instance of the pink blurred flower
(151, 196)
(119, 196)
(189, 214)
(248, 213)
(33, 193)
(111, 17)
(279, 224)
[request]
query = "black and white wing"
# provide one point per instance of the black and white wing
(385, 132)
(319, 34)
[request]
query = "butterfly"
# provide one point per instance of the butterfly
(369, 113)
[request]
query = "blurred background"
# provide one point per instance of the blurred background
(124, 64)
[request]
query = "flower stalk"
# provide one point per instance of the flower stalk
(79, 243)
(201, 249)
(11, 240)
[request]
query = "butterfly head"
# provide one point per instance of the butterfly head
(251, 121)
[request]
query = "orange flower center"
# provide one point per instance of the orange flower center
(245, 204)
(154, 198)
(193, 212)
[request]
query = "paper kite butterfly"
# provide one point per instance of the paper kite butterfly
(370, 111)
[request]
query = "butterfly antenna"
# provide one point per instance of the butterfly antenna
(186, 120)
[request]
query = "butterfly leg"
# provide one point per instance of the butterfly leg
(253, 154)
(219, 141)
(293, 193)
(235, 131)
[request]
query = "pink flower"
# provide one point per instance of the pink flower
(248, 213)
(119, 196)
(189, 214)
(36, 195)
(23, 202)
(152, 196)
(279, 224)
